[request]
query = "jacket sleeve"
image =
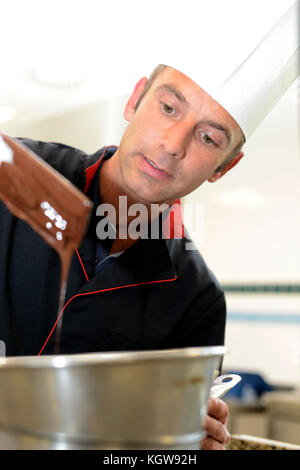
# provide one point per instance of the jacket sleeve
(66, 160)
(200, 328)
(203, 323)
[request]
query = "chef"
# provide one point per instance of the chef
(140, 293)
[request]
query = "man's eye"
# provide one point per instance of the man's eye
(207, 140)
(167, 108)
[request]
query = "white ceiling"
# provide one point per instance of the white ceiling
(94, 49)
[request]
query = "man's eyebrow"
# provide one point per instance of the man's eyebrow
(218, 126)
(172, 89)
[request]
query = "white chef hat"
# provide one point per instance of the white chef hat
(253, 89)
(209, 41)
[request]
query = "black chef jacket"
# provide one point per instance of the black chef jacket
(156, 295)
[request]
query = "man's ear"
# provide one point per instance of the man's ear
(130, 105)
(216, 176)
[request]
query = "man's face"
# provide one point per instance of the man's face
(175, 140)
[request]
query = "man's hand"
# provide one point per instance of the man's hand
(215, 425)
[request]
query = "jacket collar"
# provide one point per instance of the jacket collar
(145, 262)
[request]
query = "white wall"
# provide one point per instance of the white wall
(263, 336)
(251, 221)
(88, 128)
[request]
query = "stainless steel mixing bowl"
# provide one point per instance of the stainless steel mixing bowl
(128, 400)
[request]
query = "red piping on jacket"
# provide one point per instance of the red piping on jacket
(97, 292)
(81, 263)
(90, 173)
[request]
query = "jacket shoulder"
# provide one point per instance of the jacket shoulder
(190, 264)
(69, 161)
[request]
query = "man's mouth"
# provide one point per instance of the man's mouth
(157, 171)
(151, 163)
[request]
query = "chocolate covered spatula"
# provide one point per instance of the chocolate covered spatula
(36, 193)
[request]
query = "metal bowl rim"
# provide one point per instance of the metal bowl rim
(102, 358)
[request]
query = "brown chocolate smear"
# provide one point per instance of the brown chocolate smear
(36, 193)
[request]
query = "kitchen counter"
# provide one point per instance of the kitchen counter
(245, 442)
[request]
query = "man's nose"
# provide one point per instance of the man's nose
(175, 139)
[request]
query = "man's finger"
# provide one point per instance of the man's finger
(210, 444)
(218, 409)
(216, 430)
